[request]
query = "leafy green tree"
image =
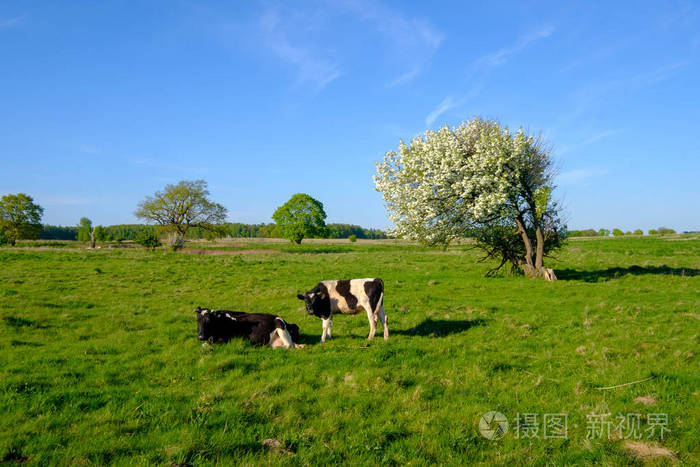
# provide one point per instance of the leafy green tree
(653, 232)
(84, 229)
(101, 234)
(19, 217)
(352, 238)
(477, 177)
(604, 232)
(638, 232)
(665, 231)
(301, 217)
(617, 232)
(180, 207)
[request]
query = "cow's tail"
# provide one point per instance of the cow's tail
(380, 302)
(281, 329)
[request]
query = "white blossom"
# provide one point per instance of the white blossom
(445, 181)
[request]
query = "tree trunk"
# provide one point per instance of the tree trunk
(539, 258)
(92, 239)
(528, 266)
(534, 268)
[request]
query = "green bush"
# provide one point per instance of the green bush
(665, 231)
(638, 232)
(3, 238)
(604, 233)
(617, 232)
(352, 238)
(653, 232)
(148, 239)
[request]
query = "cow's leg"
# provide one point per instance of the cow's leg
(275, 341)
(286, 339)
(382, 318)
(327, 324)
(372, 320)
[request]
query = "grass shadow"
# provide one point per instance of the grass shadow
(16, 343)
(16, 322)
(309, 339)
(440, 328)
(614, 273)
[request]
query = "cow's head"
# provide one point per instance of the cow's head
(205, 323)
(317, 303)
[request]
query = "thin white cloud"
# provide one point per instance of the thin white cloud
(591, 139)
(577, 176)
(11, 22)
(405, 78)
(480, 69)
(446, 104)
(594, 138)
(310, 67)
(657, 75)
(502, 55)
(450, 103)
(410, 37)
(595, 94)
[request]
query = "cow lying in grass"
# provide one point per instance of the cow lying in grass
(347, 297)
(261, 329)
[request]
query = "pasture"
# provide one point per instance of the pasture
(99, 360)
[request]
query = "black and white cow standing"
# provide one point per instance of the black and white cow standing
(347, 297)
(260, 328)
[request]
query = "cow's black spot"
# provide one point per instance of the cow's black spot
(320, 289)
(343, 288)
(374, 290)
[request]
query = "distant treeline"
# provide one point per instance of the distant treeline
(130, 231)
(617, 232)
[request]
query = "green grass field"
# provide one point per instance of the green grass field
(99, 360)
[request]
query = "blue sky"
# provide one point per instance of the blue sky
(104, 103)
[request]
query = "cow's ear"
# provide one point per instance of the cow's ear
(198, 310)
(301, 297)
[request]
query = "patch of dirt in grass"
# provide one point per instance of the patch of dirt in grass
(193, 251)
(646, 451)
(275, 445)
(646, 400)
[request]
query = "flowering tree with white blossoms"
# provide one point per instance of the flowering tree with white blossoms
(477, 179)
